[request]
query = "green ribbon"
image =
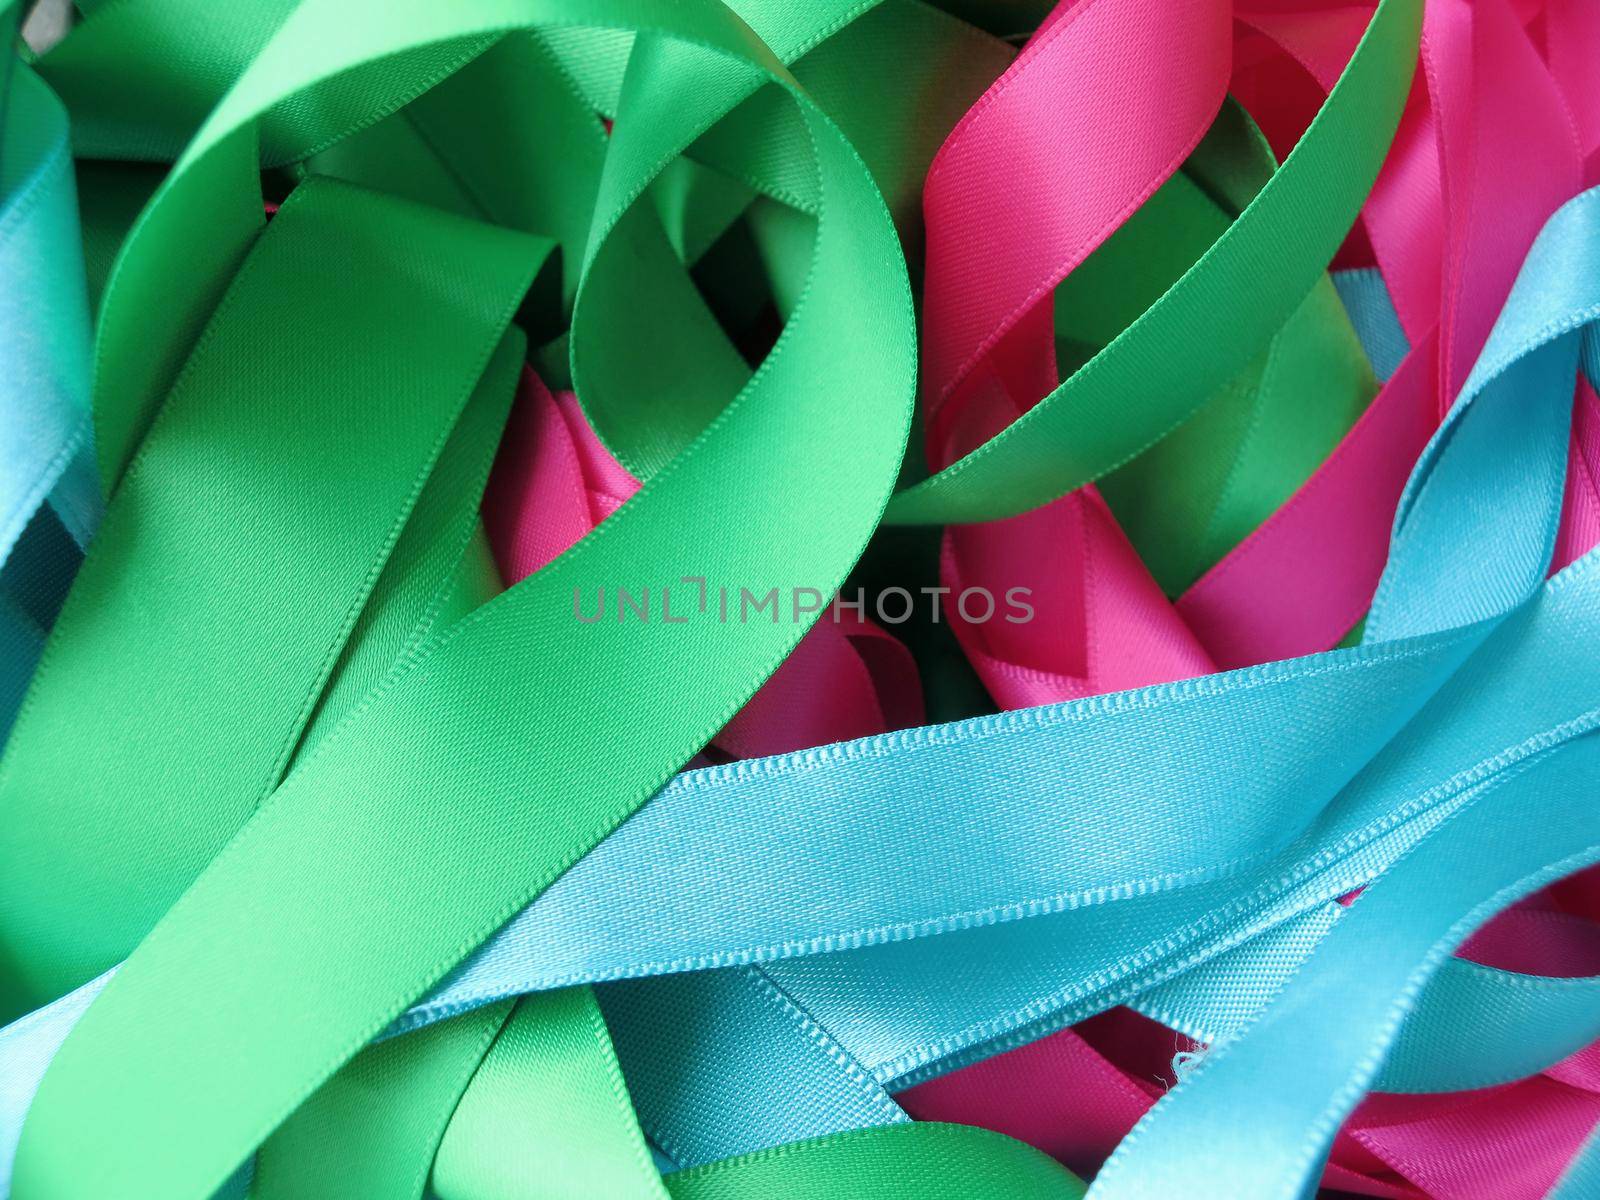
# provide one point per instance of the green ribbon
(376, 817)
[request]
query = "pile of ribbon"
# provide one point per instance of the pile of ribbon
(799, 598)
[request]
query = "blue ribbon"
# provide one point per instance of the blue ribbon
(44, 387)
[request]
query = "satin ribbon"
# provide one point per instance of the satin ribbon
(591, 386)
(48, 502)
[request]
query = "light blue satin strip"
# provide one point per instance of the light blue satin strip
(44, 310)
(688, 1042)
(1473, 1026)
(1581, 1179)
(1260, 1112)
(26, 1047)
(1366, 300)
(1025, 978)
(963, 826)
(1240, 1117)
(44, 346)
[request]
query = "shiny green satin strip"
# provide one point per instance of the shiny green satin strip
(505, 139)
(373, 1129)
(1197, 336)
(416, 794)
(527, 156)
(547, 1114)
(450, 117)
(879, 124)
(219, 546)
(680, 345)
(441, 568)
(923, 1161)
(416, 1082)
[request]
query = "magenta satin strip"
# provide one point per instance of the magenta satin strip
(1568, 31)
(1103, 104)
(1448, 229)
(1580, 515)
(1101, 107)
